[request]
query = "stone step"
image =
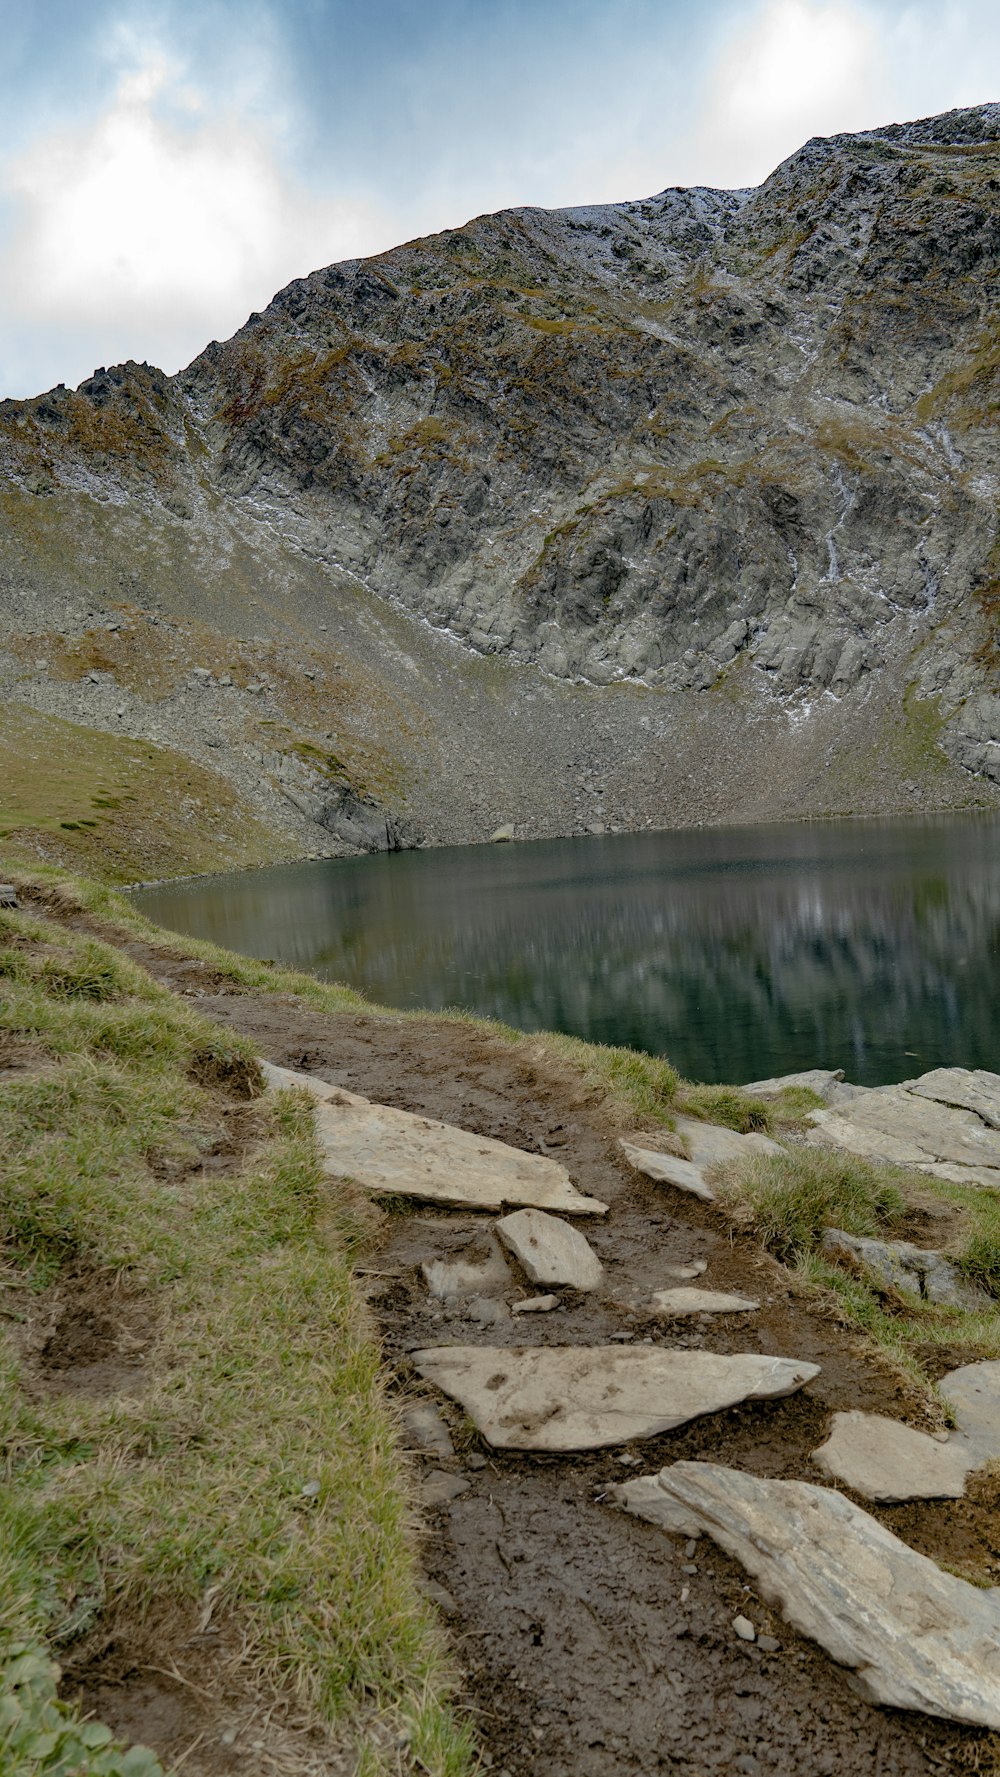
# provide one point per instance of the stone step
(582, 1397)
(395, 1153)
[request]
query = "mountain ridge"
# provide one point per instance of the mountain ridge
(727, 456)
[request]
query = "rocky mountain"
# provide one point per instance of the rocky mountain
(683, 509)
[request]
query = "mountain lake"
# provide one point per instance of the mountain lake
(739, 952)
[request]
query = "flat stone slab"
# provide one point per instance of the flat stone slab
(922, 1124)
(668, 1169)
(970, 1089)
(922, 1270)
(912, 1636)
(550, 1251)
(583, 1397)
(885, 1460)
(397, 1154)
(678, 1302)
(973, 1394)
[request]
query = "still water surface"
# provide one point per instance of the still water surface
(738, 952)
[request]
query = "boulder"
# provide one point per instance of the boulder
(912, 1636)
(394, 1153)
(885, 1460)
(550, 1251)
(586, 1397)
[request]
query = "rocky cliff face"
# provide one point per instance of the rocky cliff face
(713, 478)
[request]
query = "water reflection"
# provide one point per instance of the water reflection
(737, 952)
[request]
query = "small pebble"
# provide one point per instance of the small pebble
(769, 1644)
(744, 1629)
(475, 1461)
(690, 1550)
(689, 1567)
(685, 1594)
(629, 1461)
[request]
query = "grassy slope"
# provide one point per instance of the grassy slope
(123, 808)
(263, 1378)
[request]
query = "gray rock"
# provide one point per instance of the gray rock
(885, 1460)
(425, 1430)
(481, 1270)
(667, 1169)
(486, 1312)
(712, 1144)
(588, 1397)
(744, 1629)
(970, 1089)
(899, 1265)
(437, 1487)
(973, 1394)
(535, 1305)
(820, 1080)
(395, 1153)
(502, 835)
(913, 1636)
(550, 1251)
(909, 1125)
(676, 1303)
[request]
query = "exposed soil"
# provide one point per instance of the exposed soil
(172, 1682)
(86, 1333)
(591, 1644)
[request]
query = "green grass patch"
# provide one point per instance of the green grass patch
(263, 1378)
(788, 1199)
(124, 808)
(729, 1105)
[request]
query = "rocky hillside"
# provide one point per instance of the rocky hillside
(675, 510)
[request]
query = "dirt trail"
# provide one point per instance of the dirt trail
(591, 1644)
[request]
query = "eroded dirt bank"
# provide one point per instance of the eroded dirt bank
(590, 1643)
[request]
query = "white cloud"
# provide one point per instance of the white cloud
(159, 225)
(797, 68)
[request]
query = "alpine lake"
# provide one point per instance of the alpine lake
(741, 952)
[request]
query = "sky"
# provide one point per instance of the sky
(167, 165)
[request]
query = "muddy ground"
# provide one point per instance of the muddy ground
(591, 1644)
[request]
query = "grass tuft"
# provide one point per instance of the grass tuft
(728, 1105)
(788, 1199)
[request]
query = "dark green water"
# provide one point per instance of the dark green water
(739, 952)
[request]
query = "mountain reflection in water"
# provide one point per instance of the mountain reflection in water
(738, 952)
